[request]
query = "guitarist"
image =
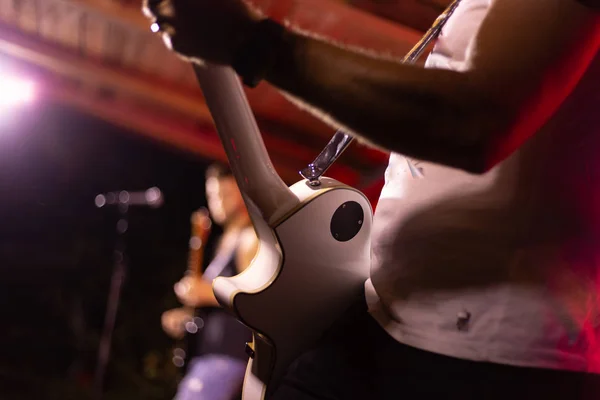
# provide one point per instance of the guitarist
(217, 370)
(485, 266)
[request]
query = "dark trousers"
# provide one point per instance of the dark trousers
(357, 359)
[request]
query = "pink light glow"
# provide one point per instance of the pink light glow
(15, 91)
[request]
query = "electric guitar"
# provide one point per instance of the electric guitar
(314, 254)
(201, 227)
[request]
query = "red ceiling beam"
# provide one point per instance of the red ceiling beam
(67, 62)
(94, 73)
(183, 134)
(344, 23)
(326, 17)
(332, 18)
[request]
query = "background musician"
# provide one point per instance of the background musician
(216, 371)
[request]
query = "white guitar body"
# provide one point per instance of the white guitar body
(314, 254)
(302, 279)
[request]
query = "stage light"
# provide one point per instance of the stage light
(15, 91)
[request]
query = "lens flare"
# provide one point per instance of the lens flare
(15, 91)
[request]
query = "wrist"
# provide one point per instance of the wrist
(288, 70)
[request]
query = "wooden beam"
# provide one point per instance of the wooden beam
(183, 134)
(417, 14)
(151, 89)
(64, 61)
(332, 18)
(116, 10)
(94, 73)
(346, 24)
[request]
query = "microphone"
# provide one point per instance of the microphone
(150, 198)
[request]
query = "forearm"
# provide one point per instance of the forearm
(523, 60)
(430, 114)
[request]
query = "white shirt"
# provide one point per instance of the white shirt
(500, 267)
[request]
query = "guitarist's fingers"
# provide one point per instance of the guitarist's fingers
(173, 322)
(182, 288)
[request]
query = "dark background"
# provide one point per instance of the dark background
(56, 254)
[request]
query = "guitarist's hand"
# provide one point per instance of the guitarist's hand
(195, 292)
(204, 30)
(173, 321)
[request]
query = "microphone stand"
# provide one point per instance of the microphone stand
(119, 275)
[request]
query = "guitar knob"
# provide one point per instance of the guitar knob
(250, 350)
(347, 221)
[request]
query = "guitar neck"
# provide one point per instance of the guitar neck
(195, 256)
(201, 227)
(261, 186)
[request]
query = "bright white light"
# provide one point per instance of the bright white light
(15, 91)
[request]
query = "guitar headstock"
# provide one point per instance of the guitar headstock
(201, 223)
